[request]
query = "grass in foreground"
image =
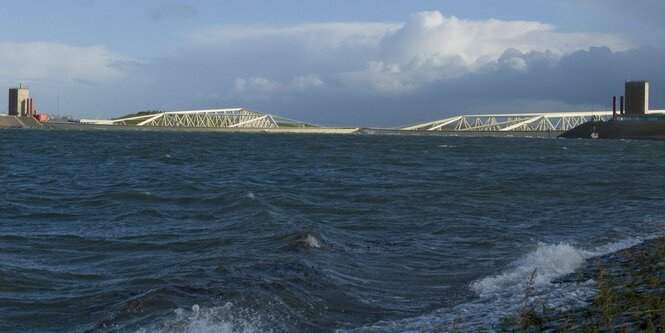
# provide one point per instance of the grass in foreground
(630, 297)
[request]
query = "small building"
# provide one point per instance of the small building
(19, 102)
(637, 97)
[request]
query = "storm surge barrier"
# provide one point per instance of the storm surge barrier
(522, 122)
(222, 118)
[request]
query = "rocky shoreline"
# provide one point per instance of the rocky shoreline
(629, 297)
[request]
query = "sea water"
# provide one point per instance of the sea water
(230, 232)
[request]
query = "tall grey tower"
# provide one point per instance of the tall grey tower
(18, 101)
(637, 97)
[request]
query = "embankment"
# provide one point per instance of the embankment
(19, 122)
(629, 296)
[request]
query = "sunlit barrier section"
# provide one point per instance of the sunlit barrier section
(527, 122)
(222, 118)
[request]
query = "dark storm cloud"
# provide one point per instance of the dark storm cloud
(587, 76)
(358, 74)
(545, 84)
(516, 82)
(575, 82)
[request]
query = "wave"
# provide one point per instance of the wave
(548, 261)
(219, 319)
(502, 295)
(301, 241)
(310, 242)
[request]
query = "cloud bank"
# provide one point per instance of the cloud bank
(81, 75)
(365, 74)
(387, 59)
(52, 61)
(348, 73)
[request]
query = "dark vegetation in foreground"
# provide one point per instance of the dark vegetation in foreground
(630, 296)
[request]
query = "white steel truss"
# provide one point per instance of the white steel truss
(229, 118)
(527, 122)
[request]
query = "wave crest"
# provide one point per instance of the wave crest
(219, 319)
(501, 295)
(549, 261)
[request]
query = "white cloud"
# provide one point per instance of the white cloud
(37, 61)
(307, 82)
(255, 89)
(478, 42)
(387, 58)
(255, 83)
(318, 70)
(431, 47)
(314, 38)
(73, 80)
(260, 88)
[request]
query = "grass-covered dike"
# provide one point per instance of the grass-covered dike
(630, 296)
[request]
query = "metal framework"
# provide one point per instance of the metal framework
(230, 118)
(526, 122)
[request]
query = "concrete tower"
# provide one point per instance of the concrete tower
(637, 97)
(18, 101)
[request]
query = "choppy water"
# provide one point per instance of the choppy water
(222, 232)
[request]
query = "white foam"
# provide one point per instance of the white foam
(311, 241)
(250, 195)
(621, 245)
(548, 261)
(220, 319)
(502, 295)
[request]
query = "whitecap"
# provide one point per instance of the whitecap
(501, 296)
(311, 242)
(548, 261)
(219, 319)
(250, 195)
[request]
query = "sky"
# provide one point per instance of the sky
(369, 63)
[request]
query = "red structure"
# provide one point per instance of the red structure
(30, 107)
(42, 118)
